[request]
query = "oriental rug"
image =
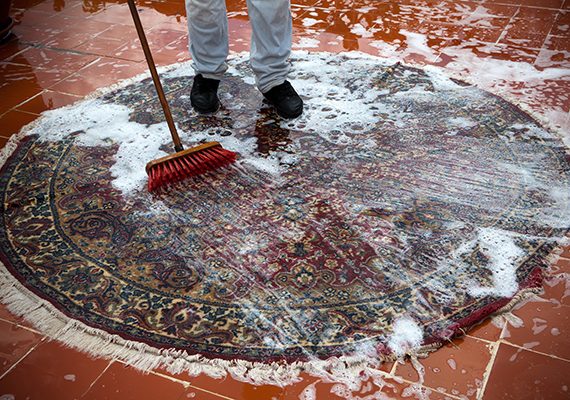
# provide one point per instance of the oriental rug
(402, 208)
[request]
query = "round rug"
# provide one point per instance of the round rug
(401, 208)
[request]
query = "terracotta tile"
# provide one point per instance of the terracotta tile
(70, 23)
(21, 82)
(4, 313)
(12, 47)
(459, 33)
(13, 121)
(543, 3)
(125, 383)
(239, 32)
(15, 342)
(121, 31)
(502, 9)
(563, 264)
(101, 46)
(555, 53)
(30, 17)
(47, 100)
(68, 40)
(519, 374)
(104, 72)
(456, 369)
(557, 288)
(58, 373)
(565, 252)
(562, 25)
(52, 59)
(227, 386)
(546, 328)
(529, 32)
(487, 330)
(399, 389)
(35, 34)
(158, 40)
(120, 14)
(193, 393)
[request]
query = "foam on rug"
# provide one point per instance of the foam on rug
(402, 208)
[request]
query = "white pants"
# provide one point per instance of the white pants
(271, 23)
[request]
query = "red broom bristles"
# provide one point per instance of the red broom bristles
(178, 168)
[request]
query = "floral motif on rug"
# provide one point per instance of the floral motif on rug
(436, 206)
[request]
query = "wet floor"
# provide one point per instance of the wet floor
(62, 51)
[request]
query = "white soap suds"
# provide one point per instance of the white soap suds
(310, 22)
(503, 256)
(306, 43)
(104, 124)
(406, 336)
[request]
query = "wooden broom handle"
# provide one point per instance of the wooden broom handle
(155, 78)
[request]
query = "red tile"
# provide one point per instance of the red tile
(4, 313)
(557, 288)
(104, 72)
(21, 82)
(13, 121)
(47, 100)
(562, 25)
(546, 328)
(542, 3)
(193, 393)
(58, 373)
(100, 46)
(52, 59)
(15, 342)
(565, 253)
(12, 47)
(519, 374)
(126, 383)
(121, 31)
(398, 389)
(228, 386)
(456, 369)
(487, 330)
(35, 34)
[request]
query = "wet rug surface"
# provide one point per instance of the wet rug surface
(402, 207)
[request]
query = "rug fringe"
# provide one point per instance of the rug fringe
(97, 343)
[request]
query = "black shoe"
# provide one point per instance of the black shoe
(204, 94)
(285, 99)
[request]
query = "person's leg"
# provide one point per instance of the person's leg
(208, 36)
(271, 23)
(271, 39)
(208, 41)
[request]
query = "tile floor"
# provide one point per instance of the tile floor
(62, 50)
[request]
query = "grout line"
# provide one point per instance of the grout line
(488, 369)
(96, 379)
(393, 369)
(21, 358)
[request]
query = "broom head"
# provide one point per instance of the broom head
(187, 163)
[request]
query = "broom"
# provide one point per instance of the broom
(184, 163)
